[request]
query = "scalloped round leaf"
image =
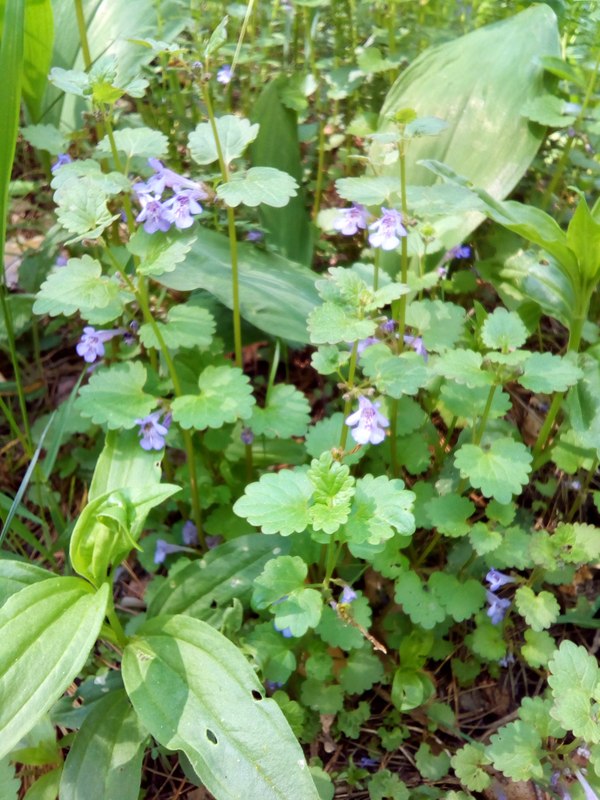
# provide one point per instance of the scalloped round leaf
(462, 366)
(468, 763)
(503, 330)
(235, 134)
(368, 191)
(362, 671)
(110, 183)
(160, 252)
(499, 469)
(547, 373)
(461, 599)
(450, 513)
(381, 507)
(540, 610)
(325, 435)
(333, 324)
(286, 414)
(516, 750)
(394, 375)
(420, 603)
(575, 682)
(46, 137)
(80, 286)
(440, 324)
(115, 396)
(333, 630)
(144, 142)
(277, 503)
(300, 611)
(267, 185)
(187, 326)
(82, 209)
(225, 396)
(280, 577)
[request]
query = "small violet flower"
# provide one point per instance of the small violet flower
(154, 214)
(351, 219)
(255, 236)
(496, 579)
(91, 344)
(589, 793)
(497, 608)
(364, 343)
(189, 534)
(506, 660)
(285, 632)
(224, 75)
(164, 549)
(180, 207)
(348, 595)
(460, 251)
(213, 541)
(165, 178)
(387, 230)
(62, 158)
(247, 436)
(366, 761)
(152, 433)
(61, 261)
(367, 423)
(417, 345)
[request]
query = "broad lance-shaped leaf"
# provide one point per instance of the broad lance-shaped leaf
(105, 758)
(225, 395)
(235, 134)
(16, 575)
(59, 617)
(494, 71)
(80, 286)
(499, 469)
(195, 692)
(258, 185)
(115, 396)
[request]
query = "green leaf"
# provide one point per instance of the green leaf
(385, 784)
(16, 575)
(258, 185)
(503, 330)
(82, 210)
(45, 137)
(461, 599)
(105, 758)
(362, 671)
(277, 503)
(467, 763)
(9, 783)
(495, 71)
(463, 366)
(225, 396)
(540, 610)
(499, 469)
(299, 612)
(195, 692)
(367, 191)
(394, 375)
(288, 229)
(123, 463)
(143, 142)
(575, 683)
(272, 652)
(336, 632)
(80, 286)
(333, 493)
(160, 252)
(217, 38)
(235, 134)
(286, 414)
(281, 576)
(203, 587)
(538, 648)
(350, 723)
(487, 641)
(432, 767)
(115, 396)
(516, 750)
(418, 601)
(46, 787)
(381, 507)
(59, 617)
(450, 514)
(333, 324)
(37, 53)
(410, 689)
(187, 325)
(548, 109)
(547, 373)
(583, 237)
(276, 295)
(324, 699)
(440, 324)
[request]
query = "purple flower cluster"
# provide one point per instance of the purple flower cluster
(91, 344)
(368, 425)
(224, 75)
(385, 232)
(152, 433)
(179, 209)
(460, 251)
(497, 606)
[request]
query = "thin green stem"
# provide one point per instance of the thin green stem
(320, 170)
(399, 306)
(395, 467)
(240, 40)
(83, 39)
(348, 401)
(582, 493)
(478, 433)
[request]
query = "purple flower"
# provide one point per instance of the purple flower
(589, 793)
(387, 230)
(152, 433)
(164, 549)
(255, 236)
(63, 158)
(365, 761)
(224, 75)
(351, 219)
(496, 579)
(154, 214)
(213, 541)
(247, 436)
(272, 686)
(369, 423)
(61, 261)
(364, 343)
(460, 251)
(389, 326)
(285, 632)
(506, 660)
(442, 272)
(497, 608)
(189, 534)
(165, 178)
(348, 595)
(417, 345)
(91, 344)
(181, 206)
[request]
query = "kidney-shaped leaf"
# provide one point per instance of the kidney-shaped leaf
(105, 760)
(195, 692)
(46, 630)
